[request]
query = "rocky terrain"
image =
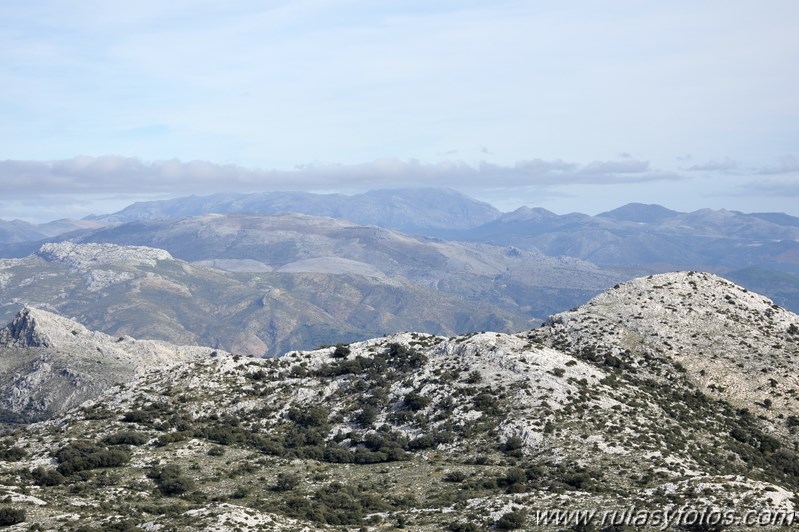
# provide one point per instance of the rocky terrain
(261, 232)
(49, 364)
(665, 391)
(302, 303)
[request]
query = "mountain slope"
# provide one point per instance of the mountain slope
(412, 210)
(146, 293)
(49, 364)
(639, 236)
(733, 344)
(603, 407)
(18, 231)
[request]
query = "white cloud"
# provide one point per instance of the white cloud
(115, 174)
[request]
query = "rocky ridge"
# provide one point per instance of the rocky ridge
(49, 363)
(146, 293)
(606, 406)
(736, 345)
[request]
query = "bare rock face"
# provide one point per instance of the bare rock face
(49, 363)
(24, 331)
(90, 256)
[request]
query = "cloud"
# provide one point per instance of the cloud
(724, 165)
(128, 175)
(773, 187)
(787, 164)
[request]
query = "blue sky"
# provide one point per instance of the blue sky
(573, 106)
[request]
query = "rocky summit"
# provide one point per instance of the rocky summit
(666, 393)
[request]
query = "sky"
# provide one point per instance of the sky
(571, 106)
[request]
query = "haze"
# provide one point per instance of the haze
(569, 106)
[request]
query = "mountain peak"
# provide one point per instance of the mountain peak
(731, 341)
(32, 327)
(640, 213)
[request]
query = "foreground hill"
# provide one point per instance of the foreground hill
(146, 293)
(619, 403)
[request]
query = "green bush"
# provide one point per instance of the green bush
(455, 476)
(47, 477)
(511, 520)
(216, 451)
(313, 416)
(11, 516)
(12, 454)
(126, 437)
(367, 416)
(415, 402)
(287, 481)
(82, 455)
(341, 351)
(137, 416)
(171, 480)
(461, 526)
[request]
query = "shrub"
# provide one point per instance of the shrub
(171, 480)
(216, 451)
(461, 526)
(314, 416)
(82, 455)
(12, 454)
(415, 402)
(126, 437)
(486, 403)
(171, 437)
(341, 351)
(455, 476)
(287, 481)
(136, 416)
(47, 477)
(474, 378)
(12, 516)
(367, 416)
(514, 443)
(511, 520)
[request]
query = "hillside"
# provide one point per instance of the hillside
(49, 364)
(651, 238)
(622, 402)
(505, 277)
(147, 293)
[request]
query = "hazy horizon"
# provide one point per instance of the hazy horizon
(566, 106)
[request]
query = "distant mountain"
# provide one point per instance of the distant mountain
(649, 237)
(640, 213)
(507, 277)
(670, 393)
(409, 210)
(304, 301)
(19, 231)
(17, 236)
(631, 240)
(778, 218)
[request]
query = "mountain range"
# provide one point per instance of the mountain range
(146, 292)
(353, 267)
(672, 391)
